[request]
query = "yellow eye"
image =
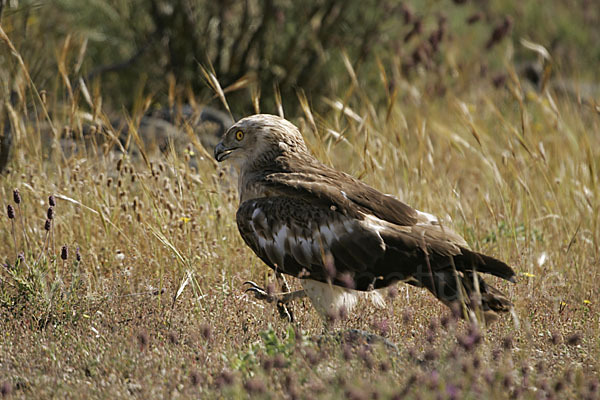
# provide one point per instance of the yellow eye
(239, 135)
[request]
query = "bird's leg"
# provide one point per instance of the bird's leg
(285, 311)
(280, 299)
(284, 297)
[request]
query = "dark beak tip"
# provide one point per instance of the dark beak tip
(217, 152)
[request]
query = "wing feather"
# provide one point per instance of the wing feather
(286, 243)
(371, 236)
(330, 187)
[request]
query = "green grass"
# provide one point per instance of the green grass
(155, 306)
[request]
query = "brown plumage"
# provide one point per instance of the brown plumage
(339, 235)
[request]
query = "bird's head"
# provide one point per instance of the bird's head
(259, 138)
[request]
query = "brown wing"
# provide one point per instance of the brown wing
(312, 240)
(306, 240)
(322, 184)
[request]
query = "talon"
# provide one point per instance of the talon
(258, 292)
(261, 294)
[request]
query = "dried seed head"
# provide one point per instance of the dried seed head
(64, 253)
(384, 366)
(206, 331)
(347, 281)
(499, 80)
(445, 321)
(507, 381)
(525, 370)
(430, 336)
(574, 339)
(433, 379)
(453, 392)
(279, 361)
(473, 18)
(5, 389)
(540, 367)
(142, 338)
(507, 343)
(496, 354)
(354, 393)
(266, 363)
(392, 292)
(433, 325)
(50, 213)
(329, 266)
(270, 288)
(430, 355)
(555, 338)
(363, 353)
(343, 312)
(172, 337)
(16, 196)
(465, 367)
(332, 316)
(457, 310)
(51, 201)
(488, 377)
(500, 31)
(382, 326)
(225, 378)
(47, 225)
(347, 352)
(407, 13)
(254, 385)
(194, 378)
(10, 211)
(559, 386)
(312, 356)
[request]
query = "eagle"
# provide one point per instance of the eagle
(342, 237)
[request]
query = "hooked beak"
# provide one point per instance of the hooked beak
(221, 152)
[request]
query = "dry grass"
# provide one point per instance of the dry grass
(155, 309)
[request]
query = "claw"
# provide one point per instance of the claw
(258, 292)
(261, 294)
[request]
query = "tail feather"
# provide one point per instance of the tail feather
(461, 288)
(472, 261)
